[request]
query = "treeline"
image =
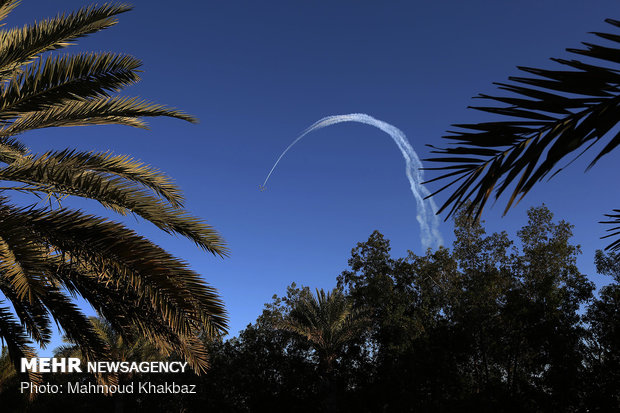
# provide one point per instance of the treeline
(492, 325)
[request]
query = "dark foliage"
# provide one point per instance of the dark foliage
(492, 325)
(549, 117)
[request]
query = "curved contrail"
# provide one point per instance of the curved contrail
(429, 222)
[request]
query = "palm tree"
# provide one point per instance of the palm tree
(553, 114)
(327, 321)
(134, 348)
(49, 252)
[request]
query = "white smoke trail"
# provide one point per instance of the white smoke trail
(426, 217)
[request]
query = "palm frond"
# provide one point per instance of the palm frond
(123, 307)
(68, 166)
(75, 324)
(58, 79)
(16, 342)
(118, 258)
(554, 114)
(32, 314)
(11, 150)
(104, 111)
(117, 251)
(7, 6)
(129, 314)
(21, 46)
(614, 231)
(64, 173)
(22, 260)
(50, 256)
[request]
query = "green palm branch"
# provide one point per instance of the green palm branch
(553, 115)
(49, 253)
(327, 321)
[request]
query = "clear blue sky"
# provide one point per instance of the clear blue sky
(257, 73)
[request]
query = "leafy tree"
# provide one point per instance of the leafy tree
(603, 357)
(407, 367)
(486, 327)
(270, 367)
(495, 324)
(265, 368)
(528, 336)
(49, 252)
(552, 115)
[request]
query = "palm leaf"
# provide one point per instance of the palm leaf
(22, 260)
(117, 253)
(121, 166)
(553, 115)
(21, 46)
(48, 257)
(32, 314)
(120, 259)
(614, 231)
(124, 308)
(55, 80)
(6, 6)
(16, 342)
(75, 324)
(103, 111)
(11, 150)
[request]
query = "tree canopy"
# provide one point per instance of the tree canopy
(496, 323)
